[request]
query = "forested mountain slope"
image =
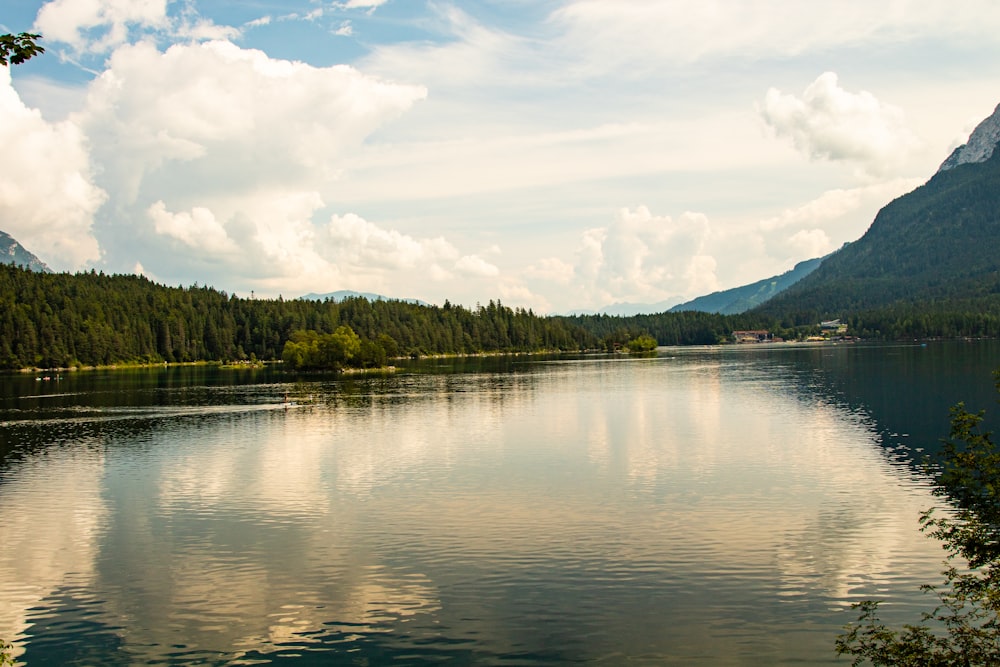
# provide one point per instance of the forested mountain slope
(742, 299)
(939, 243)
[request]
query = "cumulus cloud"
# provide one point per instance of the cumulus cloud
(474, 265)
(517, 295)
(47, 195)
(233, 159)
(810, 243)
(645, 257)
(196, 229)
(828, 122)
(209, 121)
(823, 224)
(354, 241)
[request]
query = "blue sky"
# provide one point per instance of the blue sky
(555, 155)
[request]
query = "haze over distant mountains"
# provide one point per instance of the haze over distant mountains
(340, 295)
(725, 302)
(627, 309)
(12, 252)
(741, 299)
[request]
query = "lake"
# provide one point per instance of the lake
(716, 506)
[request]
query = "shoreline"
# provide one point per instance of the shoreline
(252, 365)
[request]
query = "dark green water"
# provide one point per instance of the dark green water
(706, 506)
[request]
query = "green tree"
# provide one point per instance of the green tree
(371, 355)
(964, 629)
(15, 49)
(642, 343)
(339, 348)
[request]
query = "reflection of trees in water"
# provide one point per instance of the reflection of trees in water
(906, 390)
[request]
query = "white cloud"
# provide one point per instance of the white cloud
(344, 30)
(360, 4)
(830, 123)
(98, 25)
(825, 223)
(198, 229)
(833, 205)
(810, 243)
(47, 197)
(643, 257)
(439, 274)
(236, 153)
(258, 23)
(551, 269)
(517, 295)
(473, 55)
(638, 36)
(237, 112)
(474, 265)
(361, 245)
(198, 28)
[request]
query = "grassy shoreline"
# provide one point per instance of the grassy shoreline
(129, 365)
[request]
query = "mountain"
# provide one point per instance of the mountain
(627, 309)
(935, 245)
(340, 295)
(12, 252)
(980, 146)
(741, 299)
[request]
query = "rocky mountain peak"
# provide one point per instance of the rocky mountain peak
(12, 252)
(979, 148)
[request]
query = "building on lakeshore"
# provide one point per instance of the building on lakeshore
(754, 336)
(832, 328)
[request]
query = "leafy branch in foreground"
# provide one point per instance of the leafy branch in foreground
(964, 629)
(15, 49)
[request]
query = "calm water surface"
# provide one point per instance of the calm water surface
(714, 506)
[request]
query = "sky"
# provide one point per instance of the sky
(556, 155)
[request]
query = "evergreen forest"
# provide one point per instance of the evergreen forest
(60, 320)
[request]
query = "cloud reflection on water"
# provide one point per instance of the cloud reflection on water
(647, 503)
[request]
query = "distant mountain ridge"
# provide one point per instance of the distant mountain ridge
(935, 245)
(340, 295)
(628, 309)
(12, 252)
(741, 299)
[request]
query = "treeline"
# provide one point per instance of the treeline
(53, 320)
(63, 320)
(683, 328)
(977, 317)
(974, 318)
